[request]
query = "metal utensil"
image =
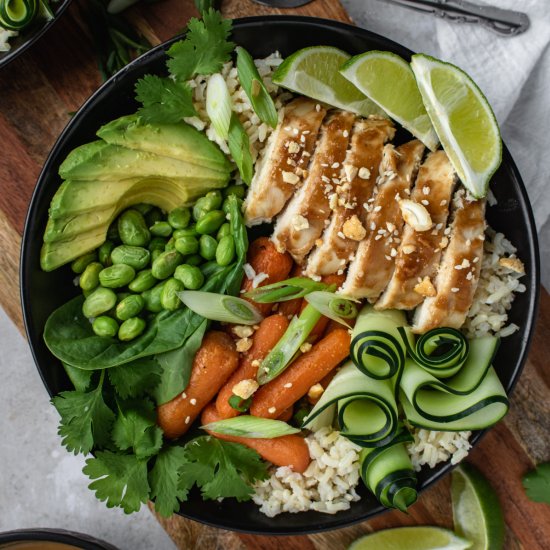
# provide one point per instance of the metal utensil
(501, 21)
(284, 4)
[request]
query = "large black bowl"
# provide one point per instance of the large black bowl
(43, 292)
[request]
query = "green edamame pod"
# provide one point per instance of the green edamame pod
(168, 297)
(211, 201)
(179, 218)
(190, 276)
(104, 253)
(165, 265)
(144, 281)
(134, 256)
(143, 208)
(223, 231)
(226, 250)
(98, 302)
(210, 222)
(105, 326)
(161, 229)
(116, 276)
(238, 190)
(187, 245)
(90, 278)
(207, 247)
(131, 306)
(152, 298)
(194, 259)
(132, 229)
(131, 328)
(80, 264)
(190, 231)
(155, 215)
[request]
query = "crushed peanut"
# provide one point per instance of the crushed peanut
(353, 229)
(351, 171)
(315, 392)
(425, 288)
(305, 347)
(290, 177)
(408, 248)
(244, 344)
(299, 223)
(242, 331)
(364, 173)
(293, 147)
(245, 388)
(415, 215)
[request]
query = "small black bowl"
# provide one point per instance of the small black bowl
(32, 34)
(40, 538)
(43, 292)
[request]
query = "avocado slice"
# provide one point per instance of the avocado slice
(179, 141)
(105, 162)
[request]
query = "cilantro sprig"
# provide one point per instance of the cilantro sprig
(537, 483)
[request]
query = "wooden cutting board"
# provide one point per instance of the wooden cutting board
(37, 93)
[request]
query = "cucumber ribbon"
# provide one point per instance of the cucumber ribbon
(17, 14)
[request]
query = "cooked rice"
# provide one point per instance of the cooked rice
(5, 36)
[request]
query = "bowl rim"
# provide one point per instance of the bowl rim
(533, 274)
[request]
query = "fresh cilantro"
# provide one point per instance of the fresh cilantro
(220, 468)
(164, 481)
(85, 419)
(204, 5)
(135, 428)
(164, 101)
(537, 483)
(135, 378)
(120, 480)
(205, 49)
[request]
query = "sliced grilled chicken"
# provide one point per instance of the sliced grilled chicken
(280, 171)
(358, 176)
(373, 265)
(458, 274)
(303, 220)
(419, 253)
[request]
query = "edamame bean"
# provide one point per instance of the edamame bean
(80, 264)
(190, 276)
(132, 229)
(179, 218)
(161, 229)
(134, 256)
(207, 247)
(116, 276)
(129, 307)
(171, 244)
(194, 259)
(168, 297)
(104, 253)
(112, 232)
(190, 231)
(155, 254)
(131, 328)
(225, 252)
(90, 278)
(165, 265)
(187, 245)
(155, 215)
(152, 298)
(224, 230)
(211, 201)
(157, 243)
(144, 281)
(98, 302)
(238, 190)
(210, 222)
(105, 326)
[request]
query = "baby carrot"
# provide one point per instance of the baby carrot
(286, 415)
(214, 362)
(282, 392)
(288, 450)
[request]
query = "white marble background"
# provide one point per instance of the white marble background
(42, 486)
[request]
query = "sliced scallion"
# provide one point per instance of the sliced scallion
(239, 147)
(219, 105)
(219, 307)
(289, 289)
(251, 426)
(240, 404)
(335, 307)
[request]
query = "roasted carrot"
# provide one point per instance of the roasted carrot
(286, 415)
(282, 392)
(270, 331)
(288, 450)
(213, 363)
(264, 258)
(334, 279)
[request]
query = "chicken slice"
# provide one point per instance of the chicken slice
(373, 265)
(420, 250)
(358, 175)
(458, 274)
(286, 156)
(303, 220)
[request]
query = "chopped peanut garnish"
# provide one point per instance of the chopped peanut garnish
(315, 392)
(245, 388)
(353, 229)
(290, 177)
(244, 344)
(242, 331)
(425, 288)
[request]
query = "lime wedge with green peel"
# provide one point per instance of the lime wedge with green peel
(388, 81)
(314, 72)
(411, 538)
(476, 509)
(463, 120)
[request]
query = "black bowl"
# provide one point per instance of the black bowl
(42, 537)
(32, 34)
(43, 292)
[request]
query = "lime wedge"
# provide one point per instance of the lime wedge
(313, 72)
(388, 80)
(463, 120)
(477, 513)
(411, 538)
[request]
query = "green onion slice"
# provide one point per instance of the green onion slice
(289, 289)
(239, 147)
(335, 307)
(219, 307)
(251, 426)
(17, 14)
(255, 89)
(240, 404)
(219, 105)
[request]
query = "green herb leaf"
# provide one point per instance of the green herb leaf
(120, 480)
(221, 469)
(164, 101)
(85, 419)
(205, 49)
(537, 483)
(204, 5)
(239, 147)
(136, 378)
(81, 379)
(135, 428)
(164, 481)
